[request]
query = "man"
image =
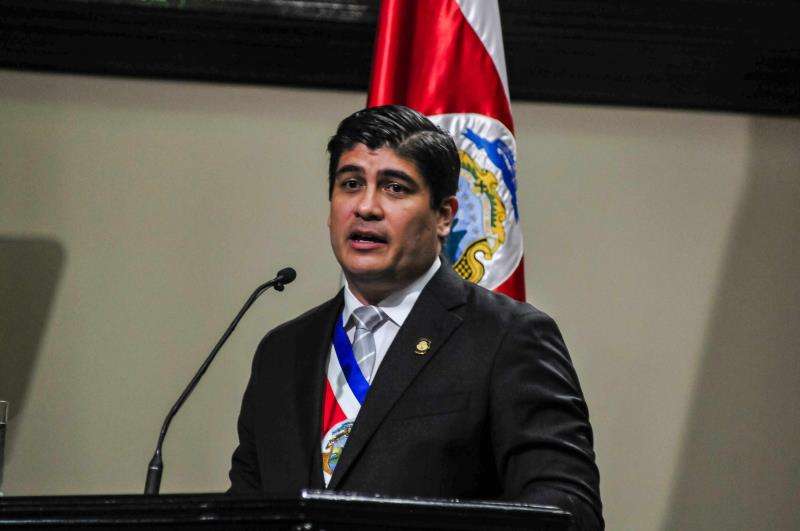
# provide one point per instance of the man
(411, 381)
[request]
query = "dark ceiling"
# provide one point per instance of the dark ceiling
(730, 55)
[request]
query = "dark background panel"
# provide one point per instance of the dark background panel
(733, 55)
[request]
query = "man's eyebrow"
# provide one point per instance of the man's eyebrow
(398, 174)
(350, 168)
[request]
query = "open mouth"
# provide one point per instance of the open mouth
(367, 238)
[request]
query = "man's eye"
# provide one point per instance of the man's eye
(350, 184)
(396, 188)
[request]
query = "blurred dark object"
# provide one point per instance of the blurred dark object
(30, 269)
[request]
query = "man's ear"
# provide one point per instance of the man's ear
(330, 208)
(446, 213)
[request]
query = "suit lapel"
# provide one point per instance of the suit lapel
(430, 319)
(311, 355)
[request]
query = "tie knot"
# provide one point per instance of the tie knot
(368, 317)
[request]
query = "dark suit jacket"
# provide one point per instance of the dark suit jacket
(493, 410)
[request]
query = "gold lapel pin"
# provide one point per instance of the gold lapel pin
(422, 347)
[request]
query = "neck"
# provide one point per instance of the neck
(370, 293)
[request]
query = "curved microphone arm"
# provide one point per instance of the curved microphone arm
(156, 466)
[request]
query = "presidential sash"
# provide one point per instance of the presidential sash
(345, 391)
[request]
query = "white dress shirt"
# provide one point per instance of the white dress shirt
(396, 306)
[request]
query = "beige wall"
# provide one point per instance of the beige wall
(136, 216)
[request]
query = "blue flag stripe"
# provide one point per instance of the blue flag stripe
(347, 360)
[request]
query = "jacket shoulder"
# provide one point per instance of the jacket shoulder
(489, 305)
(305, 321)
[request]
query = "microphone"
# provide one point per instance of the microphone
(284, 276)
(154, 469)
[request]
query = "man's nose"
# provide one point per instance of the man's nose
(369, 206)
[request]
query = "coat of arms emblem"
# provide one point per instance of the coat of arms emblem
(485, 244)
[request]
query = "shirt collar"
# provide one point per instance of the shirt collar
(397, 305)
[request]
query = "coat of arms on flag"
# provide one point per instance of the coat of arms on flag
(485, 244)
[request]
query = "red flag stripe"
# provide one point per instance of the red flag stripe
(514, 285)
(415, 63)
(332, 413)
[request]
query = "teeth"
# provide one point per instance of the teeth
(366, 238)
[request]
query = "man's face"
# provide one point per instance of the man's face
(383, 230)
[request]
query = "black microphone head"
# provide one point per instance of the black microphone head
(286, 275)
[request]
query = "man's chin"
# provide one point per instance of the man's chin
(366, 273)
(367, 268)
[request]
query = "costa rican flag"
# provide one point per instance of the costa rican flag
(445, 59)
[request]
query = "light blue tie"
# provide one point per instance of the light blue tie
(367, 319)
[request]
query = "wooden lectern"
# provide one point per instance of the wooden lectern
(311, 511)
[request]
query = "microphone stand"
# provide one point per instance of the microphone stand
(154, 469)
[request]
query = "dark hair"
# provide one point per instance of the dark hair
(411, 135)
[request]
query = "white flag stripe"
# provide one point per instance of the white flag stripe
(341, 390)
(484, 17)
